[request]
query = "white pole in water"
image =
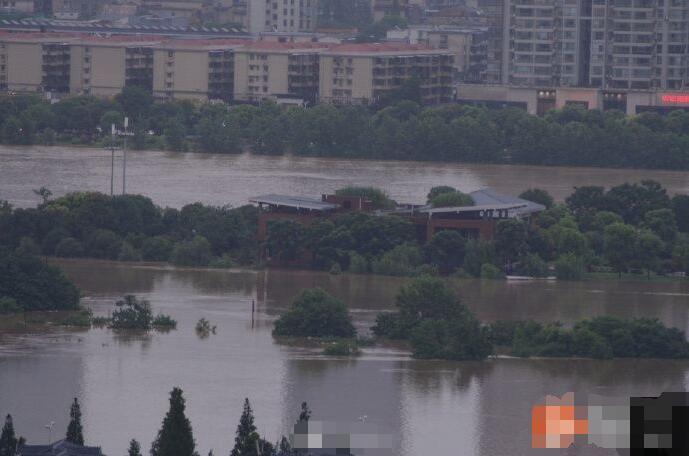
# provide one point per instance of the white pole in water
(124, 157)
(49, 427)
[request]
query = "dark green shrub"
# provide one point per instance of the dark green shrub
(315, 313)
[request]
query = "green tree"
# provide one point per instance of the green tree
(246, 438)
(649, 247)
(403, 260)
(34, 284)
(8, 439)
(425, 298)
(196, 252)
(478, 253)
(510, 238)
(456, 338)
(285, 239)
(539, 196)
(134, 448)
(109, 119)
(175, 437)
(13, 132)
(680, 205)
(569, 267)
(315, 313)
(378, 197)
(69, 248)
(452, 199)
(620, 240)
(661, 222)
(435, 191)
(175, 134)
(75, 433)
(136, 102)
(132, 313)
(156, 248)
(533, 266)
(445, 250)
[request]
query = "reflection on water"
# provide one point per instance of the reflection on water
(430, 407)
(174, 179)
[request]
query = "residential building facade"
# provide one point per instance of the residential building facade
(240, 70)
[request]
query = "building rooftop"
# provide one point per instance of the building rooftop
(59, 448)
(488, 196)
(296, 202)
(486, 207)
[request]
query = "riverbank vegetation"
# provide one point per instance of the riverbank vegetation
(436, 325)
(628, 229)
(402, 131)
(131, 228)
(28, 283)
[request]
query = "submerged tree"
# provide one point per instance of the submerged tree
(175, 437)
(8, 439)
(75, 433)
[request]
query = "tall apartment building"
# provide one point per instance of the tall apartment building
(268, 69)
(382, 8)
(220, 69)
(495, 16)
(103, 66)
(545, 43)
(364, 73)
(195, 69)
(282, 15)
(610, 44)
(469, 46)
(639, 44)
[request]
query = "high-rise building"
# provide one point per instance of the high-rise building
(545, 42)
(639, 44)
(282, 15)
(610, 44)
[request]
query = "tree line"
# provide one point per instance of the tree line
(430, 318)
(628, 228)
(399, 129)
(130, 228)
(175, 437)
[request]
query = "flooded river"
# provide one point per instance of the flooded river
(175, 179)
(429, 407)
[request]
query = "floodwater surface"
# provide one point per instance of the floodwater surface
(175, 179)
(429, 407)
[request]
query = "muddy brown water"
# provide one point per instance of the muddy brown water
(429, 407)
(175, 179)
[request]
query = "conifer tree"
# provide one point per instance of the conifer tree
(134, 448)
(175, 437)
(8, 440)
(75, 432)
(284, 448)
(246, 440)
(305, 412)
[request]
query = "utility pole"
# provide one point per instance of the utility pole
(112, 160)
(124, 157)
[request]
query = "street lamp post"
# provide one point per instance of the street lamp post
(49, 427)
